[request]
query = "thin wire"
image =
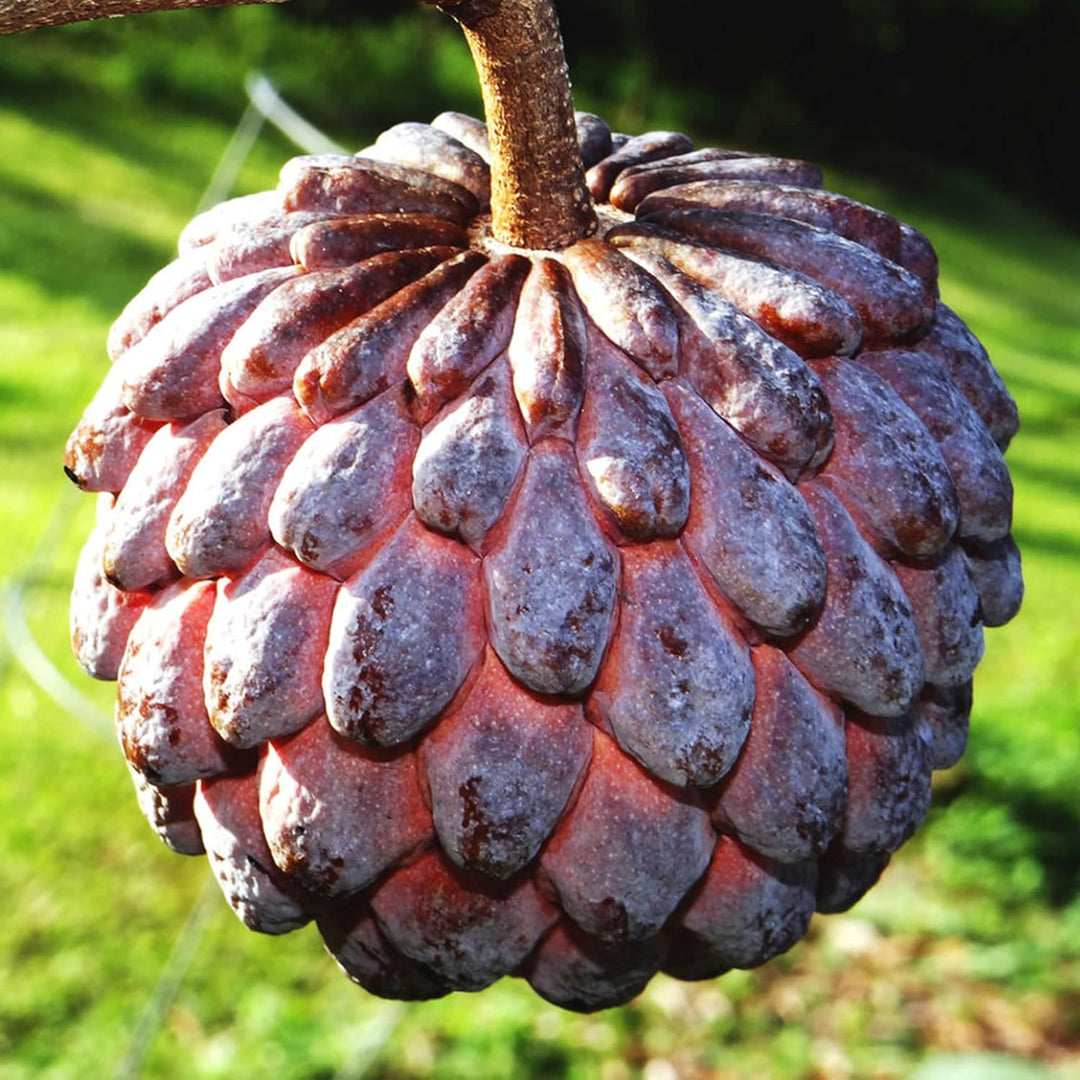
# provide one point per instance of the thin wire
(21, 642)
(371, 1039)
(170, 981)
(48, 677)
(264, 96)
(265, 105)
(232, 160)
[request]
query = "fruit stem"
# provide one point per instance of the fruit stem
(538, 195)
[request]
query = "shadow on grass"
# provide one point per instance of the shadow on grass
(1029, 296)
(1066, 402)
(1064, 476)
(143, 135)
(15, 393)
(131, 88)
(97, 264)
(1046, 543)
(1064, 424)
(1030, 823)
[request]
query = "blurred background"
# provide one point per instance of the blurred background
(959, 116)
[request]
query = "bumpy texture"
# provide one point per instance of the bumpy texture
(573, 615)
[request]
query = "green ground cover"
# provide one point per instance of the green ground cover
(969, 947)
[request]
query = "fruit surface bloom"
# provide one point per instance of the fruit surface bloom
(575, 615)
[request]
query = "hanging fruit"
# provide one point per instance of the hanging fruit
(526, 549)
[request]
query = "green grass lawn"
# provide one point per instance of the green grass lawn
(970, 946)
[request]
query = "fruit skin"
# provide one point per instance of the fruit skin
(573, 615)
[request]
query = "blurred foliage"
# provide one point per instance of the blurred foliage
(988, 85)
(880, 85)
(346, 76)
(964, 962)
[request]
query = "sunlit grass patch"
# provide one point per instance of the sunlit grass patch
(971, 942)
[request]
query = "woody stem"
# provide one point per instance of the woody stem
(30, 14)
(538, 195)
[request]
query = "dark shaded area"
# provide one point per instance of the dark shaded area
(36, 243)
(1026, 822)
(892, 87)
(350, 74)
(989, 86)
(879, 85)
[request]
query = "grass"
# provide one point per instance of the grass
(966, 957)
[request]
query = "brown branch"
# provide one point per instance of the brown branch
(17, 15)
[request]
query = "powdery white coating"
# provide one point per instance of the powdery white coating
(547, 351)
(630, 848)
(466, 335)
(346, 486)
(571, 970)
(872, 228)
(354, 939)
(551, 579)
(170, 286)
(885, 464)
(965, 359)
(404, 634)
(219, 524)
(343, 184)
(342, 241)
(437, 152)
(369, 354)
(336, 815)
(677, 686)
(500, 769)
(979, 473)
(261, 676)
(101, 614)
(634, 184)
(627, 305)
(791, 307)
(746, 910)
(467, 929)
(888, 781)
(160, 716)
(995, 569)
(891, 302)
(102, 450)
(422, 179)
(757, 384)
(170, 812)
(629, 449)
(134, 556)
(705, 155)
(864, 645)
(594, 138)
(786, 795)
(246, 247)
(633, 151)
(172, 373)
(469, 460)
(748, 527)
(263, 355)
(615, 434)
(917, 254)
(202, 228)
(227, 811)
(467, 130)
(946, 712)
(946, 606)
